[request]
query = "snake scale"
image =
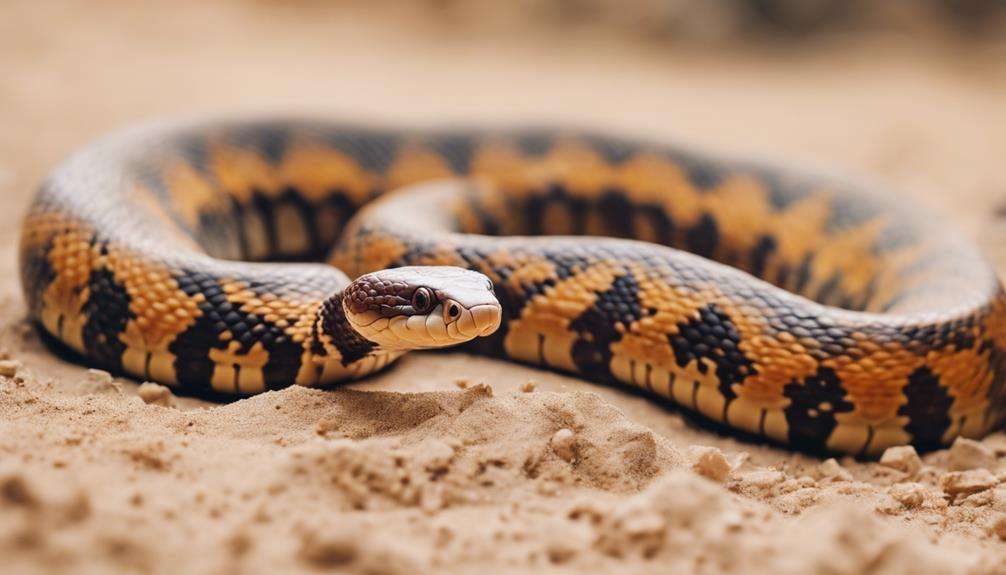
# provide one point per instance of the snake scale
(792, 305)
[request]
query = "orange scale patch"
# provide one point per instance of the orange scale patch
(241, 171)
(995, 322)
(507, 168)
(568, 299)
(849, 254)
(191, 194)
(526, 270)
(804, 224)
(161, 308)
(652, 179)
(779, 359)
(416, 164)
(40, 227)
(876, 382)
(743, 214)
(315, 169)
(295, 316)
(576, 167)
(371, 253)
(72, 258)
(967, 375)
(542, 331)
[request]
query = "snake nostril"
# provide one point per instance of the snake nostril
(453, 310)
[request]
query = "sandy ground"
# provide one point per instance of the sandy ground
(414, 470)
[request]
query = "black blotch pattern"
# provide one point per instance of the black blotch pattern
(191, 348)
(760, 254)
(614, 150)
(830, 290)
(307, 211)
(928, 409)
(344, 208)
(218, 316)
(268, 138)
(810, 430)
(702, 173)
(35, 271)
(193, 367)
(350, 344)
(617, 212)
(704, 237)
(244, 243)
(782, 276)
(618, 304)
(220, 233)
(661, 222)
(864, 299)
(193, 148)
(534, 214)
(107, 311)
(456, 148)
(488, 223)
(956, 334)
(536, 205)
(713, 336)
(150, 177)
(781, 191)
(803, 274)
(285, 358)
(263, 205)
(373, 150)
(847, 213)
(534, 143)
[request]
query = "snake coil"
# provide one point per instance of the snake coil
(792, 306)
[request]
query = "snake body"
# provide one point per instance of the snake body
(794, 306)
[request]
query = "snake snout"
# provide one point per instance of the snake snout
(487, 318)
(474, 321)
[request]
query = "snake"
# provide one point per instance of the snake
(787, 303)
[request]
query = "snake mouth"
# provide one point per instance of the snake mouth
(446, 325)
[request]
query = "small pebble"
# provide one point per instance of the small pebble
(99, 376)
(910, 495)
(832, 469)
(9, 367)
(958, 483)
(563, 443)
(903, 458)
(528, 386)
(710, 462)
(156, 394)
(462, 382)
(968, 454)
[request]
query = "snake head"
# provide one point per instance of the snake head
(422, 307)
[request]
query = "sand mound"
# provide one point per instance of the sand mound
(462, 480)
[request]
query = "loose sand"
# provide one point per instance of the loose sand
(450, 462)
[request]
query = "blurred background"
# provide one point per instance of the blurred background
(911, 92)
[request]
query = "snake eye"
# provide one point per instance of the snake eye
(491, 286)
(422, 300)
